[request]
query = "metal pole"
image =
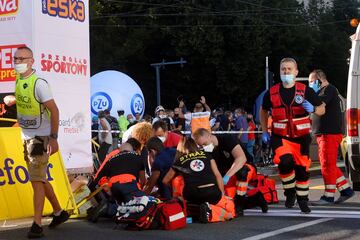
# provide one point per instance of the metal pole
(267, 73)
(157, 68)
(158, 99)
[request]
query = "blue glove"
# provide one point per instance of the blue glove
(308, 106)
(226, 179)
(266, 137)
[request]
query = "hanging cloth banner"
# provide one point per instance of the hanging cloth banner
(16, 194)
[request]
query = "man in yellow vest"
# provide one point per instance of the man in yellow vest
(38, 117)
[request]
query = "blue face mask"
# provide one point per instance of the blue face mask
(288, 79)
(315, 85)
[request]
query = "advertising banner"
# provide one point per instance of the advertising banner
(15, 189)
(62, 54)
(15, 31)
(113, 90)
(58, 33)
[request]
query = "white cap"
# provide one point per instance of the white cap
(159, 108)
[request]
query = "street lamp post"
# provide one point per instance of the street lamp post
(157, 69)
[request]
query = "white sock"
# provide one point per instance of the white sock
(58, 213)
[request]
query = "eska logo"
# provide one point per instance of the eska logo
(8, 7)
(72, 9)
(7, 72)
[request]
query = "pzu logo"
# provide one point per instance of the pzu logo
(100, 101)
(137, 104)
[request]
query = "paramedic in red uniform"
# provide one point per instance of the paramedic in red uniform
(290, 103)
(328, 131)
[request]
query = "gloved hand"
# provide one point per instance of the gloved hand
(308, 106)
(266, 137)
(226, 179)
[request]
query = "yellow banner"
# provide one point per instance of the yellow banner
(16, 194)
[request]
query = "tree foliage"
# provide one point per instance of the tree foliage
(224, 42)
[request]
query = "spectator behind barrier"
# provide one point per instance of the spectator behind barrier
(169, 139)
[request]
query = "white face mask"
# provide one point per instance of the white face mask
(21, 68)
(162, 139)
(209, 148)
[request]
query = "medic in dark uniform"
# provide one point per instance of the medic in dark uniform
(125, 172)
(290, 103)
(231, 161)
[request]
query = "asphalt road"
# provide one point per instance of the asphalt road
(332, 222)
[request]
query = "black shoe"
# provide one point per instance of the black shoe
(35, 231)
(57, 220)
(239, 212)
(303, 204)
(205, 213)
(324, 201)
(290, 201)
(261, 202)
(257, 200)
(99, 211)
(345, 195)
(240, 205)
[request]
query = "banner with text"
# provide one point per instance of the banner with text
(58, 33)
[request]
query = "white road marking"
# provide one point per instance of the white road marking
(333, 207)
(288, 229)
(7, 226)
(297, 213)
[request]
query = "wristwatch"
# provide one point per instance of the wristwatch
(54, 135)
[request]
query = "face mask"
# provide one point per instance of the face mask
(162, 139)
(315, 85)
(209, 148)
(21, 68)
(162, 116)
(288, 79)
(131, 120)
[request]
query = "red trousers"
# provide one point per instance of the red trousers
(328, 152)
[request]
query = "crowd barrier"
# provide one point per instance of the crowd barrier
(189, 132)
(16, 194)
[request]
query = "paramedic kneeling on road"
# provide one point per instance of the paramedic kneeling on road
(290, 103)
(125, 172)
(203, 181)
(231, 161)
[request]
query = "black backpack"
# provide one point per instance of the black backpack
(114, 125)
